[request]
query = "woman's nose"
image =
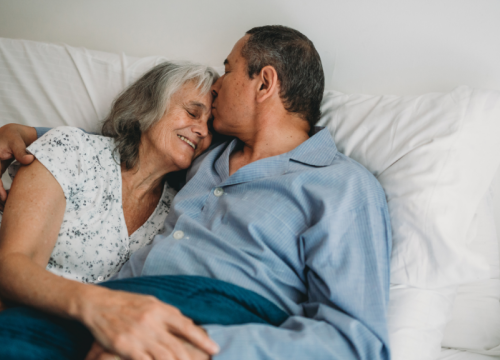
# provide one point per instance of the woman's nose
(201, 130)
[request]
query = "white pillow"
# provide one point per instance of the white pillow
(416, 320)
(453, 354)
(419, 318)
(475, 323)
(53, 85)
(435, 156)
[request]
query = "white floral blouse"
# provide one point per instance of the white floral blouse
(93, 242)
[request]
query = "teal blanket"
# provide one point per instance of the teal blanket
(28, 334)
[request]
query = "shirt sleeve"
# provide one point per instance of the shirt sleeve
(62, 151)
(40, 131)
(346, 259)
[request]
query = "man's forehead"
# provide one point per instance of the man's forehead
(235, 53)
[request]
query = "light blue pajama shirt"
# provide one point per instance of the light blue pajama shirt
(309, 230)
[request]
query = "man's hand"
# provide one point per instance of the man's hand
(136, 326)
(14, 139)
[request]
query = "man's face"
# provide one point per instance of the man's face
(234, 94)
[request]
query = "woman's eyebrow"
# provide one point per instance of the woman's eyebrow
(197, 104)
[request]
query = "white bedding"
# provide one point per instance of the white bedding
(51, 85)
(453, 354)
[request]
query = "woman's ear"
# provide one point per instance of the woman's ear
(268, 83)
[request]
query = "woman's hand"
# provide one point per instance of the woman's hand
(141, 327)
(97, 352)
(14, 139)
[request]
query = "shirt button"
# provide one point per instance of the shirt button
(179, 234)
(218, 192)
(100, 278)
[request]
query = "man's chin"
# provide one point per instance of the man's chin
(219, 127)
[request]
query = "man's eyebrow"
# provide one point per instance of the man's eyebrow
(226, 62)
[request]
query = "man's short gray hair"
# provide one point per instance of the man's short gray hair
(145, 102)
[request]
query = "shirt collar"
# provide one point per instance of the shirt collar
(318, 150)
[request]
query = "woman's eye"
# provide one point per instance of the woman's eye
(191, 114)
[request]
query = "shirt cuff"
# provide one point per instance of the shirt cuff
(41, 130)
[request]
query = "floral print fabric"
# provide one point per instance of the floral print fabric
(93, 241)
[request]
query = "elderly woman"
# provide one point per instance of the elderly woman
(88, 202)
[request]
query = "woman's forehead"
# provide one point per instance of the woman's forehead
(189, 94)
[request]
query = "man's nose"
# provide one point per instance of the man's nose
(215, 88)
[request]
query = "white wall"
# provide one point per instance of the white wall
(370, 46)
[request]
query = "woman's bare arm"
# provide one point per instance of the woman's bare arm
(130, 325)
(29, 231)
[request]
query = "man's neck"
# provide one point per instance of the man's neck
(268, 141)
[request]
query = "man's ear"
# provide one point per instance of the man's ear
(268, 83)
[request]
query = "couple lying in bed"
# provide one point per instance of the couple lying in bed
(277, 246)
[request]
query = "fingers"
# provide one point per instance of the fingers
(3, 195)
(109, 356)
(20, 154)
(170, 347)
(95, 351)
(142, 327)
(185, 328)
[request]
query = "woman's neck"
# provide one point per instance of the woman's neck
(147, 176)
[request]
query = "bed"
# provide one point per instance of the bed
(436, 153)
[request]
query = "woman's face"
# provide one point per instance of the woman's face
(183, 132)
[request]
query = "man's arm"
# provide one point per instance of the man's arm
(347, 266)
(14, 139)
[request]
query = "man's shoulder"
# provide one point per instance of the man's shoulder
(344, 177)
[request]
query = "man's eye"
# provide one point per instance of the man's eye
(191, 114)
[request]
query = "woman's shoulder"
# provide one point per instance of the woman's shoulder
(72, 150)
(71, 140)
(68, 134)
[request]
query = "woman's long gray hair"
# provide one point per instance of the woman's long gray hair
(145, 102)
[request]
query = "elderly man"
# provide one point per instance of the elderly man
(278, 211)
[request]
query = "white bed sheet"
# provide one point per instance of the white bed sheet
(452, 354)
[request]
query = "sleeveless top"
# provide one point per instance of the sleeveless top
(93, 241)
